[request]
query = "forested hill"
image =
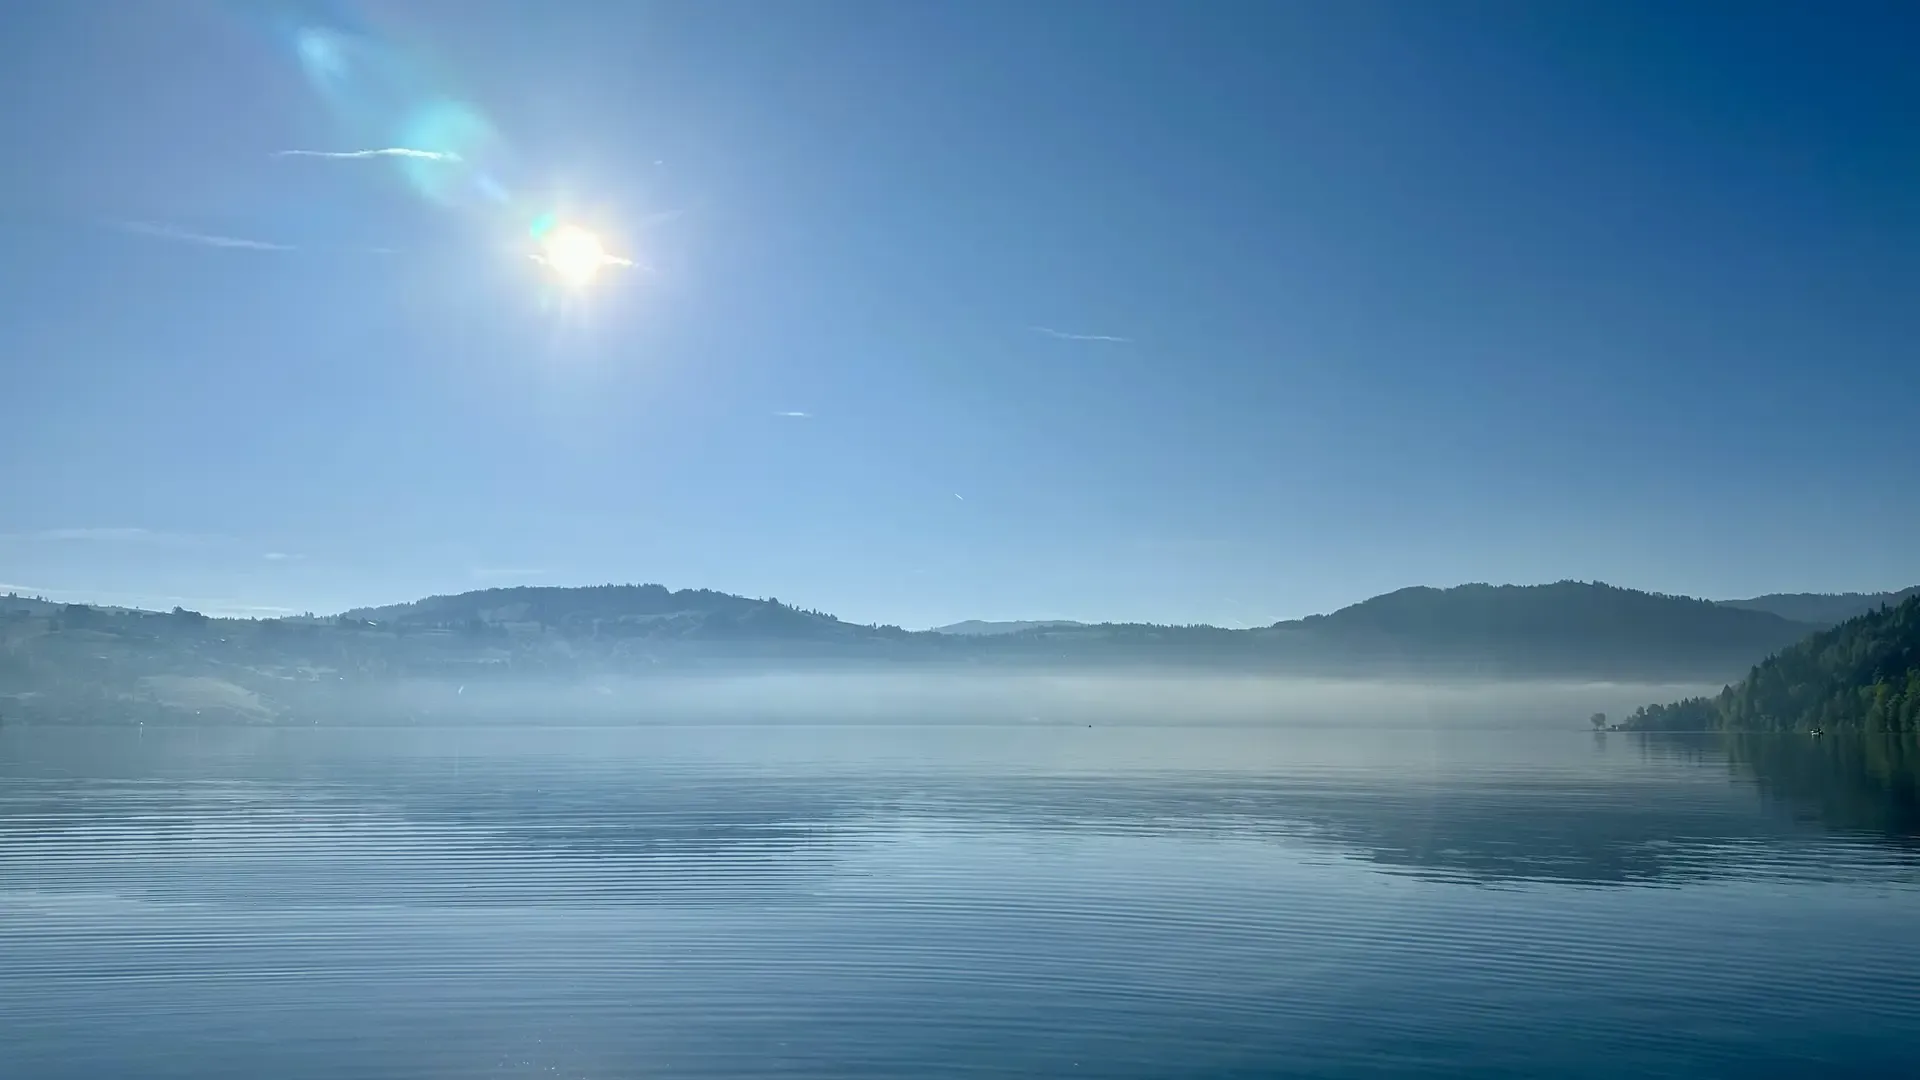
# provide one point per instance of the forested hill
(1863, 675)
(1569, 628)
(1568, 625)
(621, 611)
(74, 660)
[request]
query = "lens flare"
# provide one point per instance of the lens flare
(391, 105)
(575, 255)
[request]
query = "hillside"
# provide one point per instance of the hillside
(1822, 609)
(1863, 675)
(61, 661)
(622, 611)
(1567, 625)
(68, 661)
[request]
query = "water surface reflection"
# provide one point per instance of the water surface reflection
(846, 902)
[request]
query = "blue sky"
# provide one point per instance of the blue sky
(1404, 294)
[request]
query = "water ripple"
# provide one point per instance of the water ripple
(604, 905)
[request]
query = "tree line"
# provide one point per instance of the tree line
(1862, 675)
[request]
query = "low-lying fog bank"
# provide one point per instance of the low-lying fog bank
(1020, 697)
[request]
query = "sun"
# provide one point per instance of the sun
(576, 255)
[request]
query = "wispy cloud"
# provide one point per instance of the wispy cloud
(282, 556)
(164, 231)
(93, 534)
(795, 414)
(1062, 335)
(111, 535)
(959, 496)
(382, 152)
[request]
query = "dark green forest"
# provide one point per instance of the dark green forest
(1862, 675)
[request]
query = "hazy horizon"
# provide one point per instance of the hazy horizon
(910, 696)
(227, 609)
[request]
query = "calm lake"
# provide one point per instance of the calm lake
(882, 900)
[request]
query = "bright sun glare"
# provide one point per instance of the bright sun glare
(576, 255)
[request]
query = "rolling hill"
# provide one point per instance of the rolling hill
(622, 611)
(1566, 625)
(77, 660)
(1566, 628)
(1823, 609)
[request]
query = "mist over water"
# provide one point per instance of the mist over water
(1467, 888)
(865, 696)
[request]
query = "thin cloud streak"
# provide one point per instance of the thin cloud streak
(382, 152)
(795, 414)
(163, 231)
(111, 535)
(282, 556)
(1062, 335)
(94, 534)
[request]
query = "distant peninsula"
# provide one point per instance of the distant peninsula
(65, 661)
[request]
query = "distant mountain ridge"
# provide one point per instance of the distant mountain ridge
(76, 660)
(1566, 625)
(1826, 609)
(1586, 610)
(622, 611)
